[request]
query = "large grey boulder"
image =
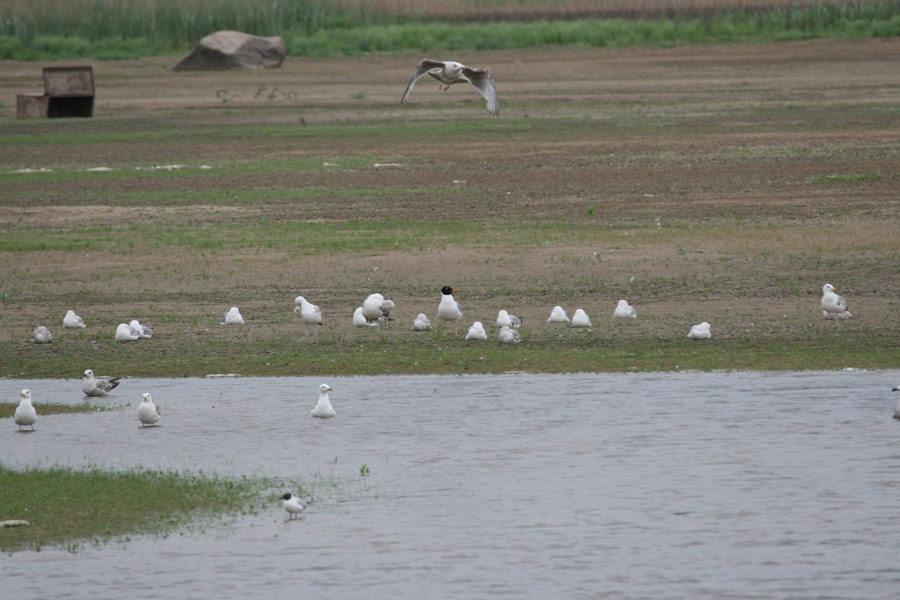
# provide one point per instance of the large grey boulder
(234, 50)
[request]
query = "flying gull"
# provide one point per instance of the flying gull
(450, 72)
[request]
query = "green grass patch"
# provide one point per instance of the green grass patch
(383, 353)
(8, 409)
(847, 177)
(69, 507)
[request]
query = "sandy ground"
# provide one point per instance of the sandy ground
(705, 170)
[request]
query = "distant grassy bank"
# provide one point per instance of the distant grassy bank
(434, 354)
(69, 507)
(118, 29)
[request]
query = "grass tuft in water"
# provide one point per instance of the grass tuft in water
(69, 507)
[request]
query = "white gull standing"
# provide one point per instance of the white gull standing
(25, 414)
(72, 320)
(448, 309)
(310, 313)
(450, 72)
(833, 306)
(148, 412)
(323, 408)
(624, 311)
(293, 505)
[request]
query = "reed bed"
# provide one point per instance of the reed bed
(113, 29)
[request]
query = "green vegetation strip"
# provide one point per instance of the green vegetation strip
(8, 409)
(68, 507)
(289, 356)
(118, 29)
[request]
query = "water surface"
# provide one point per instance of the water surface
(690, 485)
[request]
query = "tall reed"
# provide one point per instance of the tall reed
(128, 28)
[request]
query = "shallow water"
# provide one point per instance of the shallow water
(712, 485)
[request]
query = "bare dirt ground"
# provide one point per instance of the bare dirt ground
(724, 184)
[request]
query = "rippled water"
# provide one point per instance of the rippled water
(737, 485)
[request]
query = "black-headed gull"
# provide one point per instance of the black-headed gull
(97, 386)
(148, 412)
(293, 505)
(72, 320)
(450, 72)
(323, 408)
(25, 414)
(448, 309)
(833, 306)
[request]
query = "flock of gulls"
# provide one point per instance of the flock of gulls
(374, 311)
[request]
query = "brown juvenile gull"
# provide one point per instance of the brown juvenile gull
(450, 72)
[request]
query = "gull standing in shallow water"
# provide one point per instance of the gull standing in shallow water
(148, 412)
(833, 306)
(293, 505)
(25, 414)
(41, 335)
(97, 386)
(323, 408)
(897, 408)
(624, 311)
(450, 72)
(73, 320)
(700, 332)
(448, 309)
